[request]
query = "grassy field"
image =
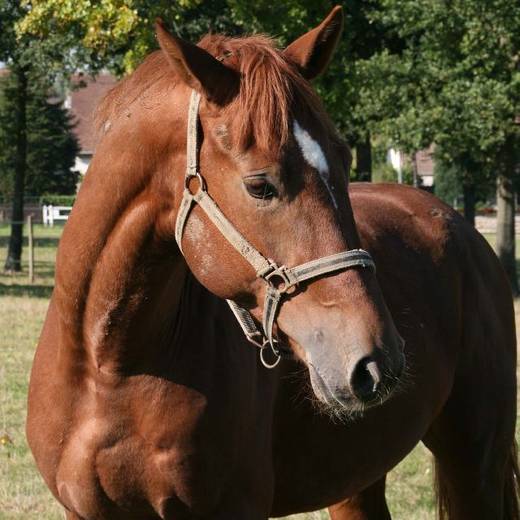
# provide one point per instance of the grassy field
(23, 496)
(22, 310)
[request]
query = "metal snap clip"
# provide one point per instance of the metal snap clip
(273, 351)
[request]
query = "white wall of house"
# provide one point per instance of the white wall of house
(82, 162)
(427, 180)
(395, 158)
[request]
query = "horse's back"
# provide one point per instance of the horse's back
(431, 248)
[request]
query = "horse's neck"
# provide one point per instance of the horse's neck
(118, 286)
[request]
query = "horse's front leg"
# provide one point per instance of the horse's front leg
(370, 504)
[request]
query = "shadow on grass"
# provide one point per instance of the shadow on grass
(36, 291)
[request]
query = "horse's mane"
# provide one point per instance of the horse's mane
(272, 91)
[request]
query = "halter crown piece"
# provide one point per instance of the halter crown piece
(279, 279)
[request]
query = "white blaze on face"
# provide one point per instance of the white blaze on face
(314, 156)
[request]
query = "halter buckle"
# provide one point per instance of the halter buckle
(280, 278)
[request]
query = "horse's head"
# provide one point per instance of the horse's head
(276, 169)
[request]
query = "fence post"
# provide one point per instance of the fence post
(31, 248)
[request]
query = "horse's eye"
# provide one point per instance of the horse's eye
(259, 188)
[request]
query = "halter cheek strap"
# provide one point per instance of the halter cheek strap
(279, 279)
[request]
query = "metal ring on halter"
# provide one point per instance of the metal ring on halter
(198, 176)
(279, 279)
(277, 355)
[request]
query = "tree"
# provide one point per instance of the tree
(32, 64)
(52, 148)
(456, 84)
(9, 12)
(51, 145)
(118, 34)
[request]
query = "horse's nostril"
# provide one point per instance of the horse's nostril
(365, 379)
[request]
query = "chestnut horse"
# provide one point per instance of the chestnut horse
(146, 399)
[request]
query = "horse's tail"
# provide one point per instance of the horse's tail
(511, 490)
(441, 493)
(512, 486)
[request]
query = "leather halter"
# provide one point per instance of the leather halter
(280, 280)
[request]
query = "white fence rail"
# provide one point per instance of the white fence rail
(52, 213)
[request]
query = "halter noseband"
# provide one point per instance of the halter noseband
(279, 279)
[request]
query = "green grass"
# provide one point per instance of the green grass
(45, 244)
(22, 492)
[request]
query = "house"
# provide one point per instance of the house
(424, 164)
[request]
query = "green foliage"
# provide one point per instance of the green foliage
(51, 145)
(119, 33)
(449, 181)
(456, 83)
(57, 200)
(48, 58)
(448, 185)
(384, 172)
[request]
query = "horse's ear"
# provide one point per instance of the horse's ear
(197, 67)
(313, 51)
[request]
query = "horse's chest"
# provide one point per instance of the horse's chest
(150, 460)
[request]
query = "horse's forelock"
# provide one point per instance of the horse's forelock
(271, 92)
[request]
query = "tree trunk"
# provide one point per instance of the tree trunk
(468, 191)
(415, 173)
(14, 253)
(364, 159)
(505, 242)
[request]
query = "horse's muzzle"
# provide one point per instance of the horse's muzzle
(368, 381)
